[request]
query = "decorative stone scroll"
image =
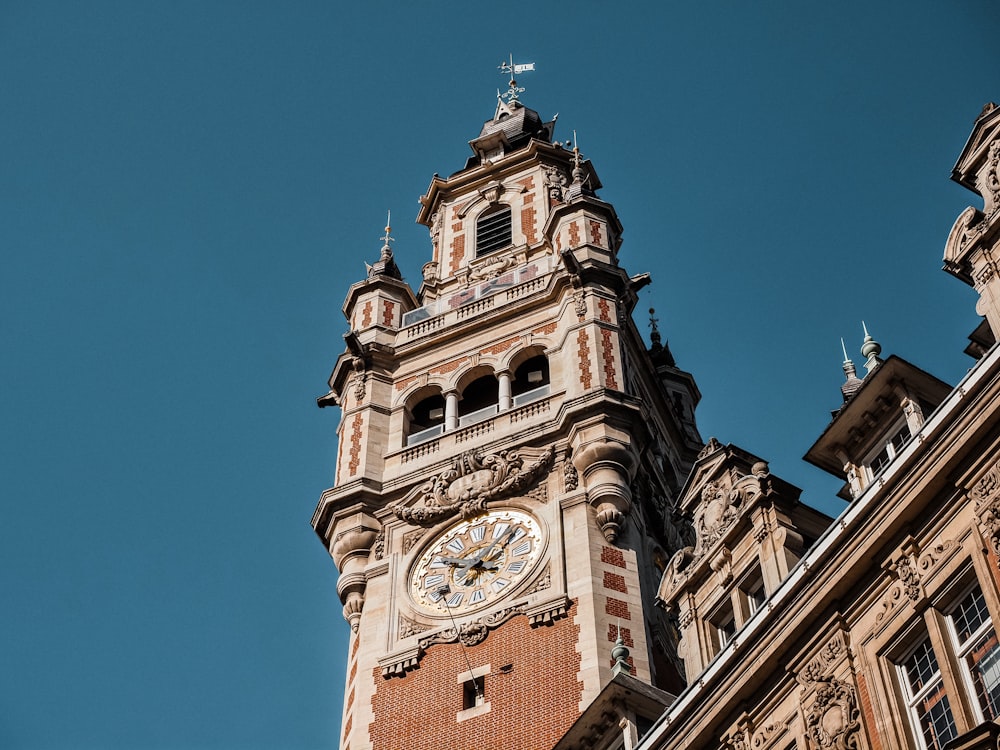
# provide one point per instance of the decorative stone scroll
(833, 717)
(833, 720)
(823, 663)
(766, 734)
(474, 479)
(408, 627)
(471, 633)
(986, 493)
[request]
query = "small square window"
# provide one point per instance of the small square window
(474, 693)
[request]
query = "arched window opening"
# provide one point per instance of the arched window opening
(479, 400)
(531, 380)
(426, 420)
(493, 230)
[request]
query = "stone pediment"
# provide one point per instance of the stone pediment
(718, 463)
(723, 485)
(474, 479)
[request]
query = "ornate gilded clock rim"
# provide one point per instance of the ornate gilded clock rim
(420, 564)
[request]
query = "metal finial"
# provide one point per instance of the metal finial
(512, 69)
(387, 238)
(578, 173)
(844, 347)
(620, 654)
(654, 330)
(870, 349)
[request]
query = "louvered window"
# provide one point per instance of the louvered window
(493, 230)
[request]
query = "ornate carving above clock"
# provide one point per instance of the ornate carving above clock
(474, 479)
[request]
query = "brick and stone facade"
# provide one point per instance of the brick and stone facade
(665, 592)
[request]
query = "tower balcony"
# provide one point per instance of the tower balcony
(483, 425)
(471, 301)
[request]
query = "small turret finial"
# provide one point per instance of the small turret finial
(620, 654)
(387, 238)
(870, 349)
(654, 331)
(852, 381)
(385, 266)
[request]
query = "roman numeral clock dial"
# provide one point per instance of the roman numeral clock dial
(474, 563)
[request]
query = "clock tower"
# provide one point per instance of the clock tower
(509, 458)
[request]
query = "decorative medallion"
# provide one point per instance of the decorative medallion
(832, 721)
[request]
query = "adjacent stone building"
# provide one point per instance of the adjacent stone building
(537, 549)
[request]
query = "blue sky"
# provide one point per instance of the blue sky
(188, 189)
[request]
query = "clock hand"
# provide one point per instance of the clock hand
(455, 561)
(502, 542)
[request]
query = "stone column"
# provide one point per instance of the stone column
(450, 411)
(505, 402)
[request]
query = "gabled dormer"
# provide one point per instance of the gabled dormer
(971, 252)
(748, 530)
(879, 417)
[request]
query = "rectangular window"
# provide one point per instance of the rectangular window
(493, 230)
(977, 648)
(928, 704)
(888, 449)
(474, 693)
(723, 624)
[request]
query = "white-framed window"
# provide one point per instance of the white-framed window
(928, 704)
(975, 641)
(723, 625)
(960, 632)
(888, 449)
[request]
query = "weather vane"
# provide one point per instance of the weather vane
(507, 67)
(387, 238)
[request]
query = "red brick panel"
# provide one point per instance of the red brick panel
(531, 705)
(626, 634)
(869, 712)
(447, 367)
(355, 444)
(388, 307)
(605, 308)
(366, 314)
(612, 556)
(595, 232)
(457, 251)
(615, 582)
(501, 346)
(586, 379)
(574, 234)
(546, 329)
(528, 222)
(608, 355)
(617, 608)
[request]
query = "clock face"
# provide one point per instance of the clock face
(474, 563)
